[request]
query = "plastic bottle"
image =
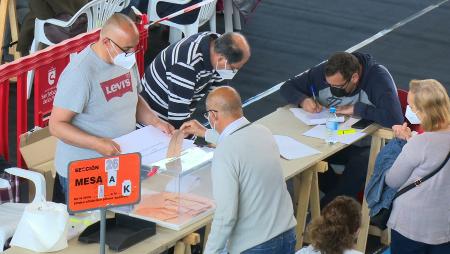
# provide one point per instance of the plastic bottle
(332, 127)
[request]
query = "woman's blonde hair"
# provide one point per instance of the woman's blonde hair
(335, 230)
(431, 99)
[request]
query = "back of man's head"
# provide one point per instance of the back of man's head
(227, 101)
(233, 46)
(119, 25)
(344, 63)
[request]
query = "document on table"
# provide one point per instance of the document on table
(291, 149)
(190, 159)
(313, 118)
(348, 124)
(150, 142)
(320, 131)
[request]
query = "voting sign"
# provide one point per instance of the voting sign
(104, 182)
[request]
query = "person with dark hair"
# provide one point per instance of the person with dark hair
(335, 231)
(184, 72)
(353, 83)
(357, 86)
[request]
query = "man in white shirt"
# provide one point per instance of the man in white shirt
(254, 210)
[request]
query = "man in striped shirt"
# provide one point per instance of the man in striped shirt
(184, 72)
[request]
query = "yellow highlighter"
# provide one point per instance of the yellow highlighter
(344, 132)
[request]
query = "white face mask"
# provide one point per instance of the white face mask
(226, 73)
(123, 61)
(211, 135)
(411, 116)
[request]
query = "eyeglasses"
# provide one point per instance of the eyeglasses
(206, 113)
(127, 52)
(340, 86)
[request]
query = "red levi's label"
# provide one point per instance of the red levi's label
(117, 87)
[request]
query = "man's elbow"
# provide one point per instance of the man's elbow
(286, 91)
(52, 128)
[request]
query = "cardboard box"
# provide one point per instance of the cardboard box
(38, 151)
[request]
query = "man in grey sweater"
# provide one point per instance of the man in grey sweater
(254, 210)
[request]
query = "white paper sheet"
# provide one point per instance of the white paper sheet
(151, 142)
(348, 124)
(291, 149)
(320, 131)
(190, 159)
(313, 118)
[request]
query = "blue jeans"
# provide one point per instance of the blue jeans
(404, 245)
(284, 243)
(63, 183)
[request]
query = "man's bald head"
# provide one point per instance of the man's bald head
(234, 47)
(120, 26)
(226, 100)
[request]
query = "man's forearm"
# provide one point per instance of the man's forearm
(144, 114)
(72, 135)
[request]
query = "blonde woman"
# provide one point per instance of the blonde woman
(420, 218)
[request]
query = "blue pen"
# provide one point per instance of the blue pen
(313, 92)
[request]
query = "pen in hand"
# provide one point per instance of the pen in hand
(313, 92)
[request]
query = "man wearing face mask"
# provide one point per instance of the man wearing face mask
(353, 83)
(98, 99)
(184, 72)
(254, 210)
(357, 86)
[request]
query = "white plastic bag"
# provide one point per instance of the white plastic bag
(43, 227)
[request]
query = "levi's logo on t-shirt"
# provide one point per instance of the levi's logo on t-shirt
(117, 87)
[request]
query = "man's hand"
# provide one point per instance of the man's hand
(311, 106)
(345, 110)
(107, 147)
(193, 127)
(402, 131)
(164, 127)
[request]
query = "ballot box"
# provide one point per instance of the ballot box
(177, 191)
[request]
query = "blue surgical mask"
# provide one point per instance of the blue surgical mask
(411, 116)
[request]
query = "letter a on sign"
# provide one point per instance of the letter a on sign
(126, 188)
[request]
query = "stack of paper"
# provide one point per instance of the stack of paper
(291, 149)
(320, 131)
(150, 142)
(313, 118)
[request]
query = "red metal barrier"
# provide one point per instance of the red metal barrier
(48, 65)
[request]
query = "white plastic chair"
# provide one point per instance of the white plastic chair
(231, 16)
(207, 13)
(97, 12)
(10, 213)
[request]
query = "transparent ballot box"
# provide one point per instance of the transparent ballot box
(175, 192)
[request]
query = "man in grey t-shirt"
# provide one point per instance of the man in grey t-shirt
(98, 98)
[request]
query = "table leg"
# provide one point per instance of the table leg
(14, 27)
(365, 219)
(3, 14)
(302, 183)
(207, 231)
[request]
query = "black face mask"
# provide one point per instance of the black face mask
(338, 92)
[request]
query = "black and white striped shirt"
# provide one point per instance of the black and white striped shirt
(179, 77)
